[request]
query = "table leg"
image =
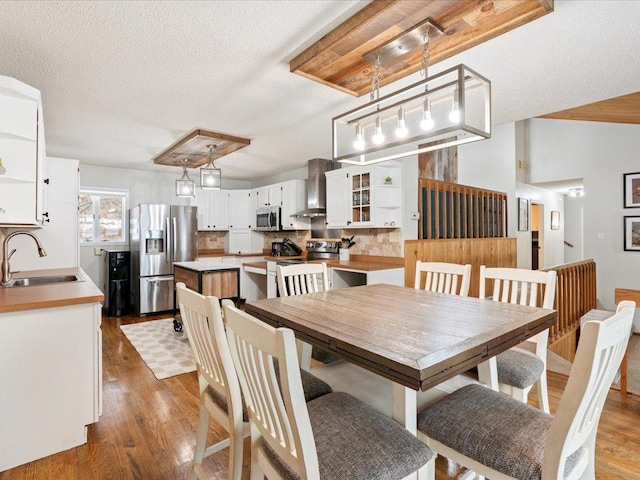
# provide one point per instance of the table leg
(488, 373)
(404, 410)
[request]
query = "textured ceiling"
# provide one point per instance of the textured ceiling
(121, 81)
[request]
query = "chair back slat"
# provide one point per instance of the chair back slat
(600, 350)
(519, 286)
(204, 326)
(443, 277)
(277, 413)
(302, 279)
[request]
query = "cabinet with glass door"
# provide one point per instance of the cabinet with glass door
(361, 197)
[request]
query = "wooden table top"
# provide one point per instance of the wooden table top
(413, 337)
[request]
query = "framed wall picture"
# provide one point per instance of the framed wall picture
(632, 233)
(631, 190)
(555, 220)
(523, 214)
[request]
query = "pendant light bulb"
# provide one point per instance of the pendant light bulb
(454, 114)
(359, 142)
(378, 135)
(401, 129)
(427, 122)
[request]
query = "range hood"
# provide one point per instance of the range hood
(316, 188)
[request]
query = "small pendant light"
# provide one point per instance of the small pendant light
(210, 175)
(185, 187)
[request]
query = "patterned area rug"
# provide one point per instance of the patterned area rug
(166, 352)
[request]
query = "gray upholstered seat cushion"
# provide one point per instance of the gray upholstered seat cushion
(313, 388)
(519, 368)
(356, 442)
(494, 429)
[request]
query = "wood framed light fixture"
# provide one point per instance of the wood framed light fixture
(339, 59)
(195, 148)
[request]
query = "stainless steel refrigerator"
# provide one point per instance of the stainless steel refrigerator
(158, 236)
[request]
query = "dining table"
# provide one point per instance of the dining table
(415, 338)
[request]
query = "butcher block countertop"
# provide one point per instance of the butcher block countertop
(207, 265)
(15, 299)
(362, 265)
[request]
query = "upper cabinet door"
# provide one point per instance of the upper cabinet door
(294, 199)
(241, 213)
(338, 190)
(261, 197)
(201, 200)
(219, 210)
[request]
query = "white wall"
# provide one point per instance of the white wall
(409, 198)
(573, 229)
(600, 153)
(491, 164)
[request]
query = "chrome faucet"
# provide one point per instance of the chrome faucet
(6, 268)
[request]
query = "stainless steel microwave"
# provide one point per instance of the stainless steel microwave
(268, 219)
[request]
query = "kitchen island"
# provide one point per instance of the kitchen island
(50, 367)
(210, 277)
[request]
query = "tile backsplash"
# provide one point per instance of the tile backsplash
(211, 240)
(299, 238)
(381, 242)
(369, 241)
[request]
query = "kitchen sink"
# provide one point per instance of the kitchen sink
(34, 281)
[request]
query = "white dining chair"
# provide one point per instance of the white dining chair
(334, 437)
(302, 278)
(220, 394)
(298, 280)
(518, 368)
(442, 277)
(501, 438)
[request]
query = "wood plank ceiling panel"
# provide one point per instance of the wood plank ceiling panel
(337, 58)
(624, 109)
(193, 148)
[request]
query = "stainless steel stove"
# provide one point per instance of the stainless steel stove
(323, 249)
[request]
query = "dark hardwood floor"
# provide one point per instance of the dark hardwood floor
(148, 427)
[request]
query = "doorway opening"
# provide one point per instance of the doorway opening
(537, 235)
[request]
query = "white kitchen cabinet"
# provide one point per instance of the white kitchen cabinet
(22, 150)
(243, 241)
(241, 212)
(361, 197)
(294, 199)
(338, 190)
(268, 196)
(51, 377)
(201, 200)
(59, 238)
(213, 209)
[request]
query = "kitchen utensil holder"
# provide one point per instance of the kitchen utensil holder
(344, 254)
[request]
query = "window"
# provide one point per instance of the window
(102, 215)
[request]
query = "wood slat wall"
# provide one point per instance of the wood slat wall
(492, 252)
(575, 296)
(450, 210)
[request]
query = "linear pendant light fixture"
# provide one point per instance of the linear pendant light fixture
(185, 187)
(210, 175)
(450, 108)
